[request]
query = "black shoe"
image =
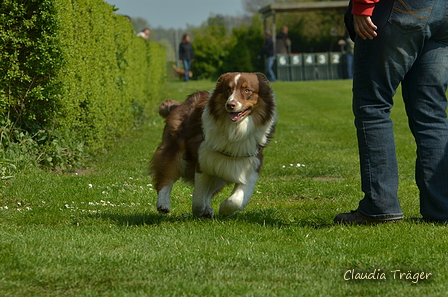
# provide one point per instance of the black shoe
(356, 218)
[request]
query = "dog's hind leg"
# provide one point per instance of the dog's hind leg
(167, 169)
(205, 187)
(163, 199)
(239, 198)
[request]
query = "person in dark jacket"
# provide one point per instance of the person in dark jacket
(186, 54)
(283, 42)
(268, 51)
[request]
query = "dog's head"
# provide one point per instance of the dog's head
(239, 95)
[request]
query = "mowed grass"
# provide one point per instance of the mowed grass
(97, 232)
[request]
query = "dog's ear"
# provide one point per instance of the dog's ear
(261, 77)
(265, 90)
(221, 83)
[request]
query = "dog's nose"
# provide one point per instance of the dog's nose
(231, 105)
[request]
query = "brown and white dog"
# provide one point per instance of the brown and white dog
(214, 139)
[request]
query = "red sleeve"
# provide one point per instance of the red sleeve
(364, 7)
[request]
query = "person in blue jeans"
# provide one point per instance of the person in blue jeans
(401, 41)
(186, 55)
(268, 52)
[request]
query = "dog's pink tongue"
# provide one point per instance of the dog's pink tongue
(235, 116)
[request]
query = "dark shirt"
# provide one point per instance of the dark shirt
(186, 51)
(268, 49)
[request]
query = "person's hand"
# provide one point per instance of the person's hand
(364, 26)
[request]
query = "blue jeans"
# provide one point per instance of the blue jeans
(187, 67)
(349, 61)
(411, 49)
(269, 72)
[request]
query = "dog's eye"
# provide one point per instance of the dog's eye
(247, 91)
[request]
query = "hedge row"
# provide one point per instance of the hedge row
(73, 76)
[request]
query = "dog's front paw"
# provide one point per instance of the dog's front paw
(228, 208)
(206, 212)
(163, 209)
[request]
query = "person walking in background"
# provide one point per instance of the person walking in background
(401, 41)
(283, 42)
(268, 52)
(347, 45)
(186, 54)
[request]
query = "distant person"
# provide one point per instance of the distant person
(268, 52)
(348, 44)
(283, 42)
(186, 54)
(144, 33)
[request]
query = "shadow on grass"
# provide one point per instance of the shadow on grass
(138, 219)
(273, 218)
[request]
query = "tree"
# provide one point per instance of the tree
(211, 45)
(139, 24)
(244, 56)
(218, 51)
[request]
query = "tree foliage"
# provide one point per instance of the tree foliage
(218, 51)
(220, 47)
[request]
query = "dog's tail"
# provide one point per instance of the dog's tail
(167, 106)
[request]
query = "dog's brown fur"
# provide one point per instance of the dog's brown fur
(180, 140)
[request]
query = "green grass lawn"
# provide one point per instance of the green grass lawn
(97, 232)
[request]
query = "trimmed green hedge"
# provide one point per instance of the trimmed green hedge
(73, 76)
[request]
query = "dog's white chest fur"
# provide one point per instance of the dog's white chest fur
(230, 149)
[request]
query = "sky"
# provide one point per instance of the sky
(177, 13)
